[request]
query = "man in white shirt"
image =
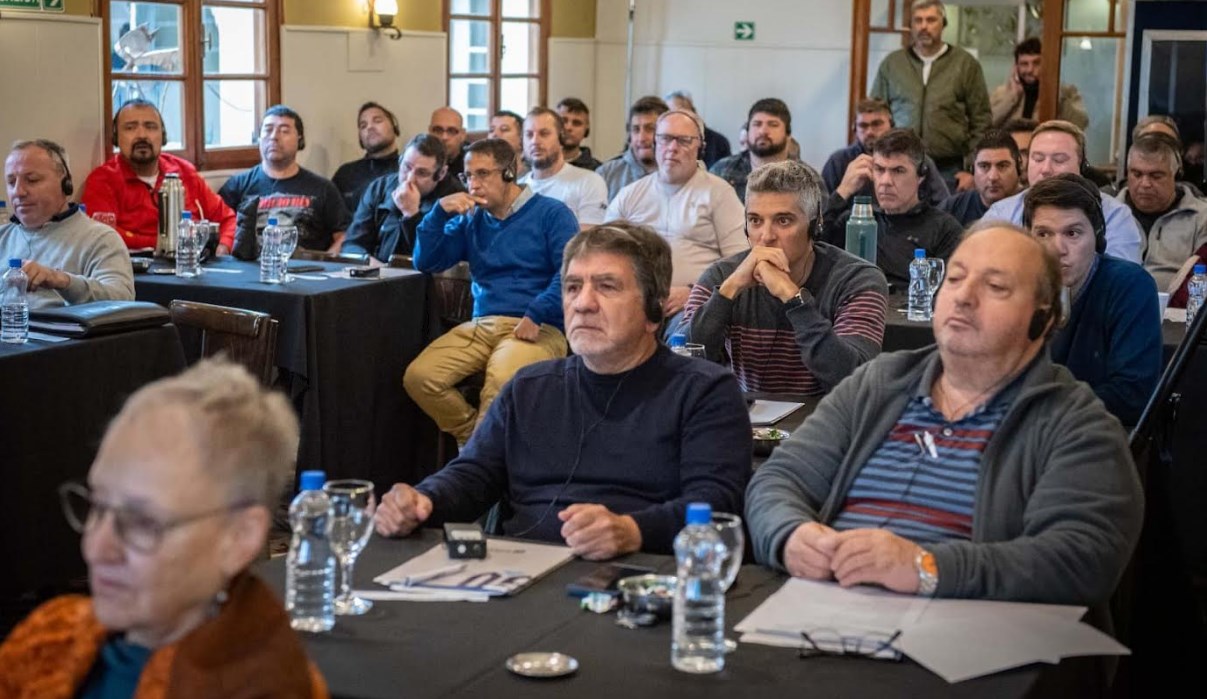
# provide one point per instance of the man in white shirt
(698, 213)
(1058, 147)
(583, 191)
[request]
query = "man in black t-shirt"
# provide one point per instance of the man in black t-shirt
(279, 187)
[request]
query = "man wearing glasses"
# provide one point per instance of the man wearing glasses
(698, 213)
(392, 206)
(447, 125)
(512, 239)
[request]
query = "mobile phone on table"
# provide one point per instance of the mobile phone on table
(302, 269)
(604, 578)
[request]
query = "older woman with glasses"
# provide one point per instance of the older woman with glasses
(176, 507)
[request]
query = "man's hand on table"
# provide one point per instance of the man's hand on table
(596, 533)
(401, 510)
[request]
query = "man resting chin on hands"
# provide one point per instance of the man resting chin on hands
(601, 451)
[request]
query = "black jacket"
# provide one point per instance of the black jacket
(378, 227)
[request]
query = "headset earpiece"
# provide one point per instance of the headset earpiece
(508, 173)
(653, 311)
(394, 123)
(1039, 323)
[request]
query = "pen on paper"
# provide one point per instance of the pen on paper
(430, 575)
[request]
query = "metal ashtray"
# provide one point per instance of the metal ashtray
(542, 664)
(766, 439)
(648, 594)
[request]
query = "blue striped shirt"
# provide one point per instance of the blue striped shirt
(921, 482)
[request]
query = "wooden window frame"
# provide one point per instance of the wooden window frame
(495, 76)
(193, 79)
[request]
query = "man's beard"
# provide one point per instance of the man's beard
(771, 149)
(142, 156)
(373, 150)
(544, 163)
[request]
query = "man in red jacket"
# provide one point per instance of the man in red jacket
(124, 188)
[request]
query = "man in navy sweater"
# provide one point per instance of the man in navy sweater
(1112, 340)
(513, 241)
(602, 450)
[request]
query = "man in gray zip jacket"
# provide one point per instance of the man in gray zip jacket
(977, 469)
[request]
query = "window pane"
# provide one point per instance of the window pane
(167, 96)
(233, 40)
(521, 52)
(471, 97)
(522, 8)
(519, 94)
(145, 37)
(232, 111)
(470, 7)
(1088, 64)
(469, 46)
(1087, 15)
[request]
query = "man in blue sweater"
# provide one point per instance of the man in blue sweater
(603, 450)
(513, 241)
(1112, 340)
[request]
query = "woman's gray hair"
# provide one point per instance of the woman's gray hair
(791, 177)
(246, 435)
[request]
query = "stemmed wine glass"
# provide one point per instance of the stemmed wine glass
(352, 508)
(729, 526)
(289, 243)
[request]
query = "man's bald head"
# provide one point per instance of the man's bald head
(447, 125)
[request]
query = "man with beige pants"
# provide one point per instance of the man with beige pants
(512, 239)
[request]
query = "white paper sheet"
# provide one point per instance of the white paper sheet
(510, 566)
(765, 413)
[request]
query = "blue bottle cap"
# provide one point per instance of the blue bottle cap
(14, 263)
(919, 254)
(678, 340)
(313, 480)
(83, 209)
(3, 203)
(272, 220)
(188, 215)
(699, 513)
(1200, 269)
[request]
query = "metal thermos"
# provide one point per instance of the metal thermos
(171, 206)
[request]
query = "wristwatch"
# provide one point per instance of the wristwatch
(928, 573)
(802, 296)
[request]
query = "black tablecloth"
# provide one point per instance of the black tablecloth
(439, 649)
(58, 397)
(342, 348)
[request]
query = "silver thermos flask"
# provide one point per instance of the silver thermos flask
(171, 206)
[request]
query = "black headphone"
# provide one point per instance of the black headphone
(57, 154)
(163, 129)
(509, 170)
(695, 119)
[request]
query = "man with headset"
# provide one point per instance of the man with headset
(576, 123)
(975, 468)
(583, 191)
(1112, 340)
(377, 132)
(1059, 147)
(768, 130)
(792, 314)
(124, 188)
(512, 239)
(697, 212)
(904, 222)
(603, 450)
(68, 257)
(996, 168)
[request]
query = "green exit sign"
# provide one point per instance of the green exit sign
(743, 31)
(33, 5)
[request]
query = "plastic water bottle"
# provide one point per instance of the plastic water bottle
(310, 566)
(698, 641)
(272, 267)
(862, 230)
(920, 301)
(1197, 292)
(188, 251)
(14, 304)
(678, 344)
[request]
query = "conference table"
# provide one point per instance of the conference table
(343, 345)
(457, 649)
(58, 398)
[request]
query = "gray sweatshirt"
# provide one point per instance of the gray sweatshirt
(1058, 502)
(90, 252)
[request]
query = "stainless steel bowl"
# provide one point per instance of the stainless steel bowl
(766, 439)
(648, 594)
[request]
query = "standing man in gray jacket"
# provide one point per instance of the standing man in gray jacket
(938, 90)
(977, 469)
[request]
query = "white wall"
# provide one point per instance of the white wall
(801, 54)
(50, 86)
(328, 72)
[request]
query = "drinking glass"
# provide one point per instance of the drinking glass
(938, 270)
(289, 243)
(352, 508)
(729, 526)
(695, 350)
